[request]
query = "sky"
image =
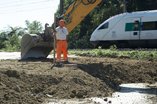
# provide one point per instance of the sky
(15, 12)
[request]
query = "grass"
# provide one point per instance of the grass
(145, 54)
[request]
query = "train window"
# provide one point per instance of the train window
(129, 26)
(149, 25)
(136, 26)
(132, 26)
(104, 26)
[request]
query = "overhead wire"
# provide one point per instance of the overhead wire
(8, 1)
(19, 1)
(24, 8)
(22, 4)
(39, 7)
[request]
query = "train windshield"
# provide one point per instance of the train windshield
(104, 26)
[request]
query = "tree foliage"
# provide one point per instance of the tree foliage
(34, 27)
(11, 37)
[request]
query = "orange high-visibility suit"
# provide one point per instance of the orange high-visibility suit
(61, 41)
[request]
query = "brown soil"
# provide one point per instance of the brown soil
(30, 82)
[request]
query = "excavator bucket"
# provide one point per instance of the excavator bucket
(34, 46)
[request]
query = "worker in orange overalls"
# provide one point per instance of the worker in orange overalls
(61, 42)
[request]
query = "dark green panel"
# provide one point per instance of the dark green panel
(129, 27)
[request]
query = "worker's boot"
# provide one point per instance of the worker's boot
(66, 62)
(58, 64)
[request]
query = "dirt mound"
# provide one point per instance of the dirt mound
(76, 83)
(30, 82)
(21, 88)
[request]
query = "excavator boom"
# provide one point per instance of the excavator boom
(77, 12)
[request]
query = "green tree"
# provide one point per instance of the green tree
(10, 38)
(141, 5)
(34, 27)
(2, 39)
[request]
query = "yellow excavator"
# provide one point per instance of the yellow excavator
(40, 45)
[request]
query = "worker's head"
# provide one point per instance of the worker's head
(61, 23)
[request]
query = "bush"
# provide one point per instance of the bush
(82, 43)
(12, 44)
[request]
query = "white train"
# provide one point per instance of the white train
(136, 29)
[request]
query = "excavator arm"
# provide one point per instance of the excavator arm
(40, 46)
(77, 12)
